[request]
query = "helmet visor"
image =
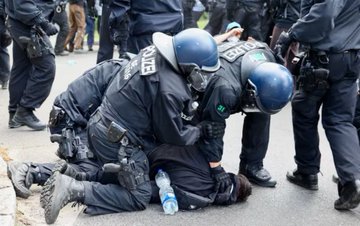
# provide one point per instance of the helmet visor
(199, 79)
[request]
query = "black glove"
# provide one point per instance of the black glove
(49, 28)
(222, 179)
(211, 129)
(282, 46)
(5, 39)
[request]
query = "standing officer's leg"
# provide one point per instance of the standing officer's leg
(305, 113)
(338, 113)
(255, 142)
(62, 20)
(20, 70)
(4, 67)
(106, 47)
(38, 86)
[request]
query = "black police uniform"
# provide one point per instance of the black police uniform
(106, 45)
(60, 18)
(148, 99)
(4, 55)
(72, 109)
(247, 14)
(223, 98)
(145, 18)
(32, 74)
(331, 29)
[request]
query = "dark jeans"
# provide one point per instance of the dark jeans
(338, 108)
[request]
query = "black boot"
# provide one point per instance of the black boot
(349, 195)
(12, 124)
(308, 181)
(26, 116)
(257, 174)
(22, 176)
(58, 191)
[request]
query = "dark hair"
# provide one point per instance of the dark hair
(244, 189)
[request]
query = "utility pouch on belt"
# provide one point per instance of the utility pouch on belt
(115, 132)
(314, 72)
(35, 44)
(56, 115)
(129, 175)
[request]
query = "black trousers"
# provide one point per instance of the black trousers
(106, 46)
(338, 108)
(217, 21)
(30, 78)
(108, 196)
(62, 20)
(255, 138)
(4, 64)
(249, 19)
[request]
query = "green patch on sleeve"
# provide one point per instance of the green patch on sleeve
(220, 108)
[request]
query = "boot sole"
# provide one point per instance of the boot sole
(47, 198)
(350, 204)
(15, 126)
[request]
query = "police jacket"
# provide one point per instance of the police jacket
(149, 99)
(331, 25)
(147, 17)
(223, 93)
(30, 12)
(84, 95)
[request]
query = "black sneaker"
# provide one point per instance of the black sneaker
(349, 196)
(26, 117)
(308, 181)
(258, 175)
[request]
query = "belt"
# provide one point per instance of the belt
(97, 116)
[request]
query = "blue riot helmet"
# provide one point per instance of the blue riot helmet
(192, 52)
(269, 87)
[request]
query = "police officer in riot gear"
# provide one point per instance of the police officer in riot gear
(250, 82)
(33, 69)
(154, 87)
(67, 123)
(331, 30)
(142, 20)
(5, 41)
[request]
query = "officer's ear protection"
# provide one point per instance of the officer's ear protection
(197, 78)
